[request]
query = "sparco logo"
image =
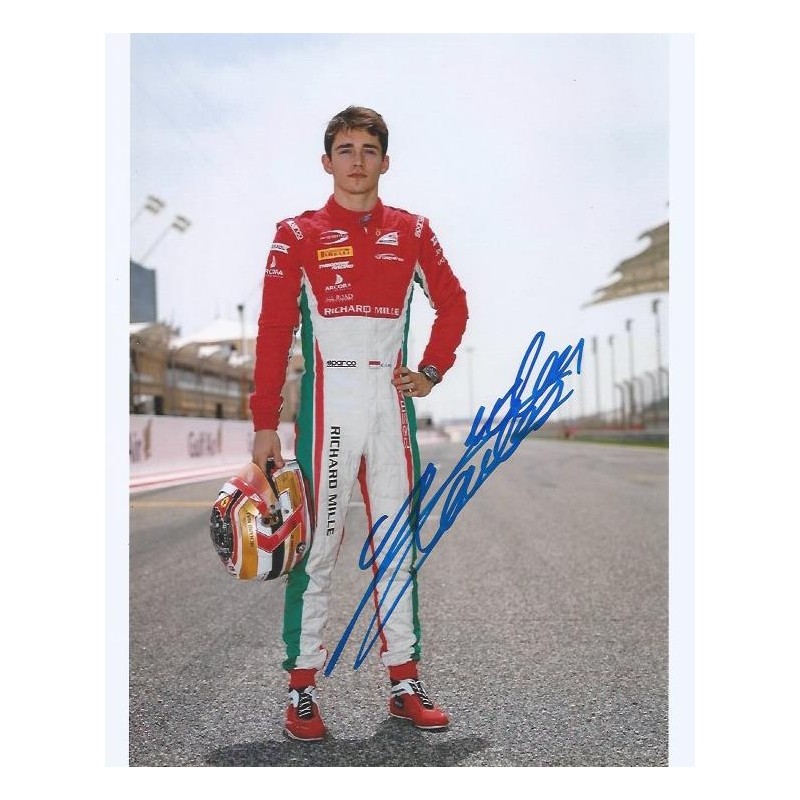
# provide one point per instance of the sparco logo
(418, 229)
(333, 237)
(293, 225)
(340, 363)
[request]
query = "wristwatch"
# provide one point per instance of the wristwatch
(432, 374)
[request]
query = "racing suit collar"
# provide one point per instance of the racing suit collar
(344, 215)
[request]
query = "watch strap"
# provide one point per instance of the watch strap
(431, 373)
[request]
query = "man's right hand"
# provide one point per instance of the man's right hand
(267, 445)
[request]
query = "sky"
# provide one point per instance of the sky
(540, 160)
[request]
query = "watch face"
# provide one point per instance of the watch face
(432, 373)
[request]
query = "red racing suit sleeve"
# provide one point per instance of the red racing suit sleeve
(448, 299)
(277, 322)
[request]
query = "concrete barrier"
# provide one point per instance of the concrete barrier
(168, 451)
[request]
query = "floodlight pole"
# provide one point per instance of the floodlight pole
(613, 379)
(621, 403)
(180, 224)
(628, 324)
(153, 204)
(596, 374)
(640, 383)
(240, 309)
(654, 389)
(656, 303)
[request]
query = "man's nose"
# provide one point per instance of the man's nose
(357, 158)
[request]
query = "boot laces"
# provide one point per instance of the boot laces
(413, 686)
(303, 700)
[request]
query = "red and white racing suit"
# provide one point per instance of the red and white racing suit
(347, 277)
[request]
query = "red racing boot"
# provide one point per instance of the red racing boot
(303, 720)
(410, 701)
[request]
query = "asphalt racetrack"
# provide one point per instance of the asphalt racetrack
(544, 614)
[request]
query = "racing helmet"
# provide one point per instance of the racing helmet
(260, 523)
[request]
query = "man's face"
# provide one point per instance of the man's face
(355, 162)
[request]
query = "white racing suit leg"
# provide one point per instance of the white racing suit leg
(353, 424)
(387, 477)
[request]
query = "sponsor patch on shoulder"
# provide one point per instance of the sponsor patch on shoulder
(295, 229)
(272, 270)
(279, 247)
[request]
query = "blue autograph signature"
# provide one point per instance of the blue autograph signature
(524, 408)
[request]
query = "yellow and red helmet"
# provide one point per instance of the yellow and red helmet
(260, 523)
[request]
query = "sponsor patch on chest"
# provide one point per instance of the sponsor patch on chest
(334, 252)
(333, 237)
(337, 265)
(389, 239)
(338, 283)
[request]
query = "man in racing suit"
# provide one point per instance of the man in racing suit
(345, 274)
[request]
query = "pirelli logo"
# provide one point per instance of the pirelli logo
(334, 252)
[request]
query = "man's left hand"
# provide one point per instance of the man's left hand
(411, 384)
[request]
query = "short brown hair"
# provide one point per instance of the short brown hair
(358, 118)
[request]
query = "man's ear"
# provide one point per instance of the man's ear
(326, 164)
(385, 165)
